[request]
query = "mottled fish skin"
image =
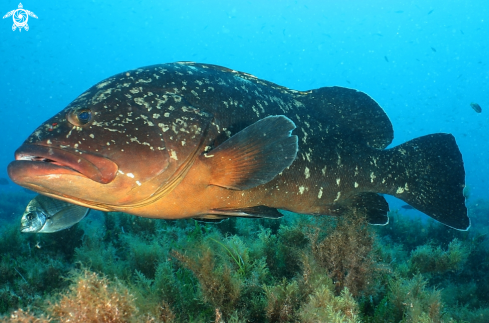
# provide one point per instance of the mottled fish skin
(153, 131)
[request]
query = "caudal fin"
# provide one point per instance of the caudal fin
(428, 174)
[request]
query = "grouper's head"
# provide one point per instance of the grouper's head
(127, 140)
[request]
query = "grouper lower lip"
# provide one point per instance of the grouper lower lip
(38, 160)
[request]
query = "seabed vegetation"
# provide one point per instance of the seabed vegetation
(121, 268)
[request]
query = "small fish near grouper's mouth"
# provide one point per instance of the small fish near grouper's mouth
(49, 161)
(46, 215)
(189, 140)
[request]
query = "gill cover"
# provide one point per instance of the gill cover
(183, 129)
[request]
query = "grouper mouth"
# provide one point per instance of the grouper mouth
(37, 160)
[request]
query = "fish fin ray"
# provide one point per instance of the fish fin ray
(260, 211)
(208, 219)
(431, 177)
(372, 205)
(353, 110)
(255, 155)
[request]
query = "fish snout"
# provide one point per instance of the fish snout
(36, 160)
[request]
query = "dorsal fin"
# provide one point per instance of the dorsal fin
(340, 108)
(353, 110)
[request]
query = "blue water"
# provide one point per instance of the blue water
(423, 61)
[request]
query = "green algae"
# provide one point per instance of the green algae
(297, 269)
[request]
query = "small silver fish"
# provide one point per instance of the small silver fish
(477, 108)
(45, 215)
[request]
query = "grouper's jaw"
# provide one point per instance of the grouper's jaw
(61, 173)
(81, 178)
(37, 160)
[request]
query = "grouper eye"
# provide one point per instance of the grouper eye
(79, 117)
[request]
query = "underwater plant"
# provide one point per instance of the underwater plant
(92, 298)
(296, 269)
(219, 287)
(346, 254)
(430, 259)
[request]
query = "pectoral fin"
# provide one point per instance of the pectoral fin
(255, 155)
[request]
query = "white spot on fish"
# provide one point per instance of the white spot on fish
(69, 133)
(49, 142)
(101, 85)
(139, 101)
(356, 184)
(338, 180)
(320, 194)
(144, 81)
(91, 135)
(337, 197)
(306, 173)
(131, 175)
(301, 189)
(164, 127)
(137, 182)
(324, 170)
(372, 177)
(402, 189)
(375, 161)
(174, 155)
(304, 139)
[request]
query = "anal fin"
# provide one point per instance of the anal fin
(372, 205)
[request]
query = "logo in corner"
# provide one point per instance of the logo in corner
(20, 17)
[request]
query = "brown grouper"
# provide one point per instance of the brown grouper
(188, 140)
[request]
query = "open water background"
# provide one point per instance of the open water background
(424, 62)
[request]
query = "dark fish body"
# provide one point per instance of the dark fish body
(477, 108)
(188, 140)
